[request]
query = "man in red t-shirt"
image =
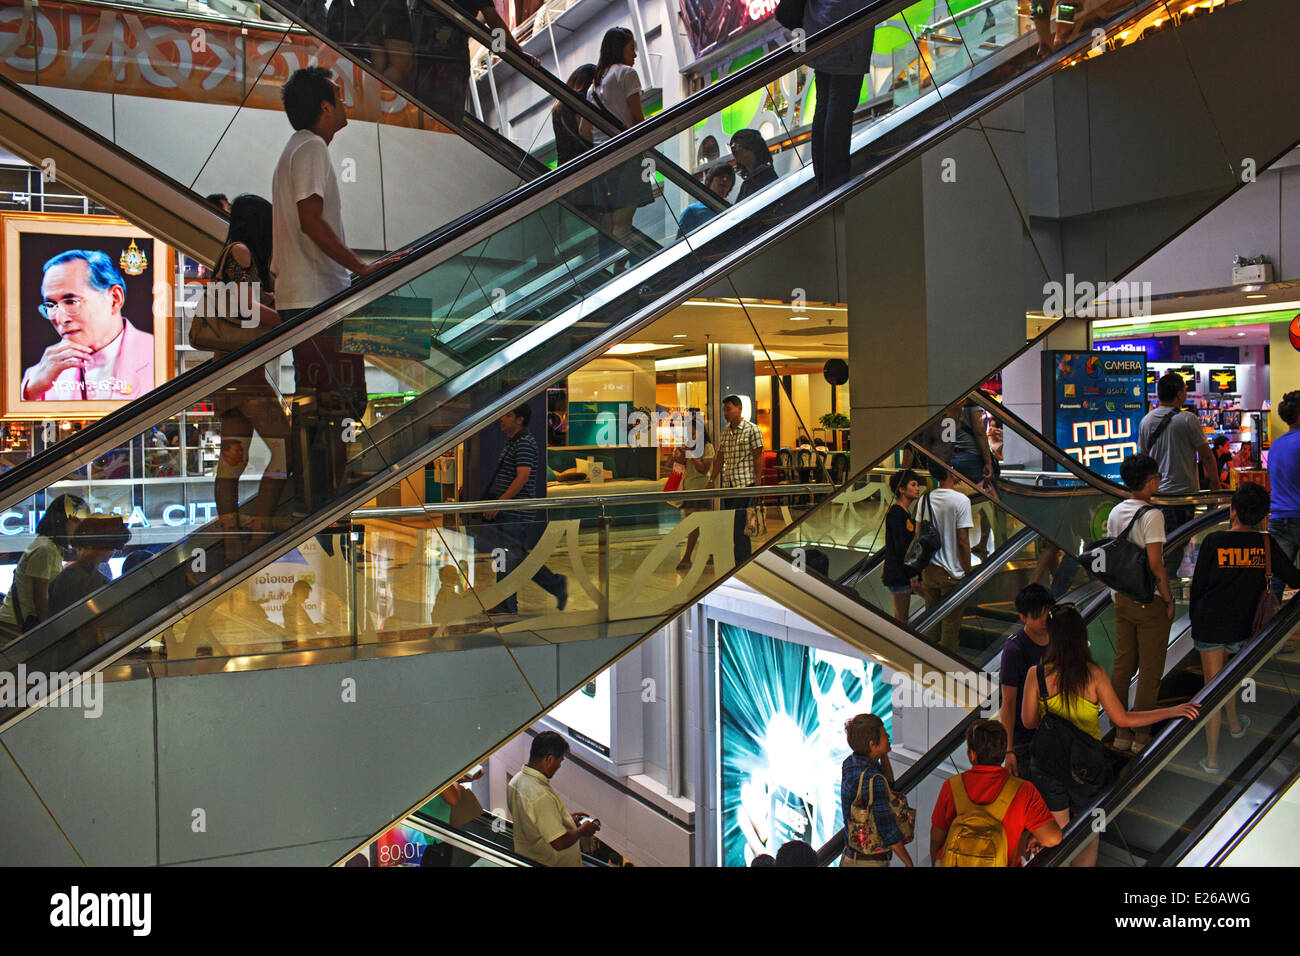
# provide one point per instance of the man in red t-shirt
(986, 748)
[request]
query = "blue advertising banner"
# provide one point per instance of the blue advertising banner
(782, 708)
(1095, 403)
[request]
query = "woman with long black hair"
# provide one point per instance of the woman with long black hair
(616, 91)
(569, 141)
(250, 403)
(1071, 686)
(28, 600)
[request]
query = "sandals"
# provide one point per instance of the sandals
(1245, 725)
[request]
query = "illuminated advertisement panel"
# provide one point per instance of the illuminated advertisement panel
(782, 708)
(1097, 400)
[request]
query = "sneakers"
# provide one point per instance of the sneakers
(1122, 744)
(1245, 725)
(1139, 745)
(1206, 768)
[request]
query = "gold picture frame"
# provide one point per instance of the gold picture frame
(20, 281)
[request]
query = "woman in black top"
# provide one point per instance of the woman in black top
(1229, 578)
(899, 531)
(569, 142)
(753, 162)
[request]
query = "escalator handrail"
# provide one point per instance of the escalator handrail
(988, 568)
(1176, 733)
(433, 827)
(1041, 444)
(596, 501)
(939, 752)
(37, 472)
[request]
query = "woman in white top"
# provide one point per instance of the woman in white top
(28, 601)
(616, 90)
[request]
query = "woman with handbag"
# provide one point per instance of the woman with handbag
(616, 92)
(901, 580)
(1231, 599)
(695, 477)
(878, 823)
(250, 403)
(1063, 702)
(28, 600)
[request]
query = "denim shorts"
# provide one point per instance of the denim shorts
(1233, 648)
(899, 588)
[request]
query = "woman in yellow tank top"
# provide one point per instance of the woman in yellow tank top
(1078, 690)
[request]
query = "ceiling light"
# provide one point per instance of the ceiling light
(680, 335)
(1191, 333)
(1257, 295)
(800, 318)
(1241, 335)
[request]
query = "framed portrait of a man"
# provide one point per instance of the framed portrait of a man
(88, 314)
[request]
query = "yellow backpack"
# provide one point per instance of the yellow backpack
(977, 837)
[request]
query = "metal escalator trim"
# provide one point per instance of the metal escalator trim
(860, 625)
(301, 327)
(99, 168)
(1094, 600)
(560, 90)
(481, 848)
(34, 474)
(1090, 478)
(1246, 811)
(976, 578)
(1170, 741)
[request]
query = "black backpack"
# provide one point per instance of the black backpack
(1063, 751)
(1121, 564)
(926, 543)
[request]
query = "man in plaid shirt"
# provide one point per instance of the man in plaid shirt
(740, 462)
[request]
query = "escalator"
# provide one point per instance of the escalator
(557, 314)
(1164, 809)
(922, 780)
(1037, 522)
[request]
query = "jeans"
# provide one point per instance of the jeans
(518, 538)
(1286, 532)
(832, 126)
(740, 542)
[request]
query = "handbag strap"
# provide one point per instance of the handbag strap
(1160, 430)
(1268, 559)
(857, 797)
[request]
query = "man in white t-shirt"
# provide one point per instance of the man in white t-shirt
(949, 509)
(1141, 630)
(311, 262)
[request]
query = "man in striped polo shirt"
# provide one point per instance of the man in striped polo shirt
(518, 531)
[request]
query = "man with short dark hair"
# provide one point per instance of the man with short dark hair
(1016, 803)
(1025, 649)
(1141, 630)
(545, 831)
(739, 461)
(311, 262)
(1175, 439)
(719, 180)
(518, 531)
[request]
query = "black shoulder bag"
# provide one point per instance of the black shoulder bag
(790, 13)
(927, 542)
(1064, 751)
(1121, 564)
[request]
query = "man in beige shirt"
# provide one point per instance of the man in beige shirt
(545, 831)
